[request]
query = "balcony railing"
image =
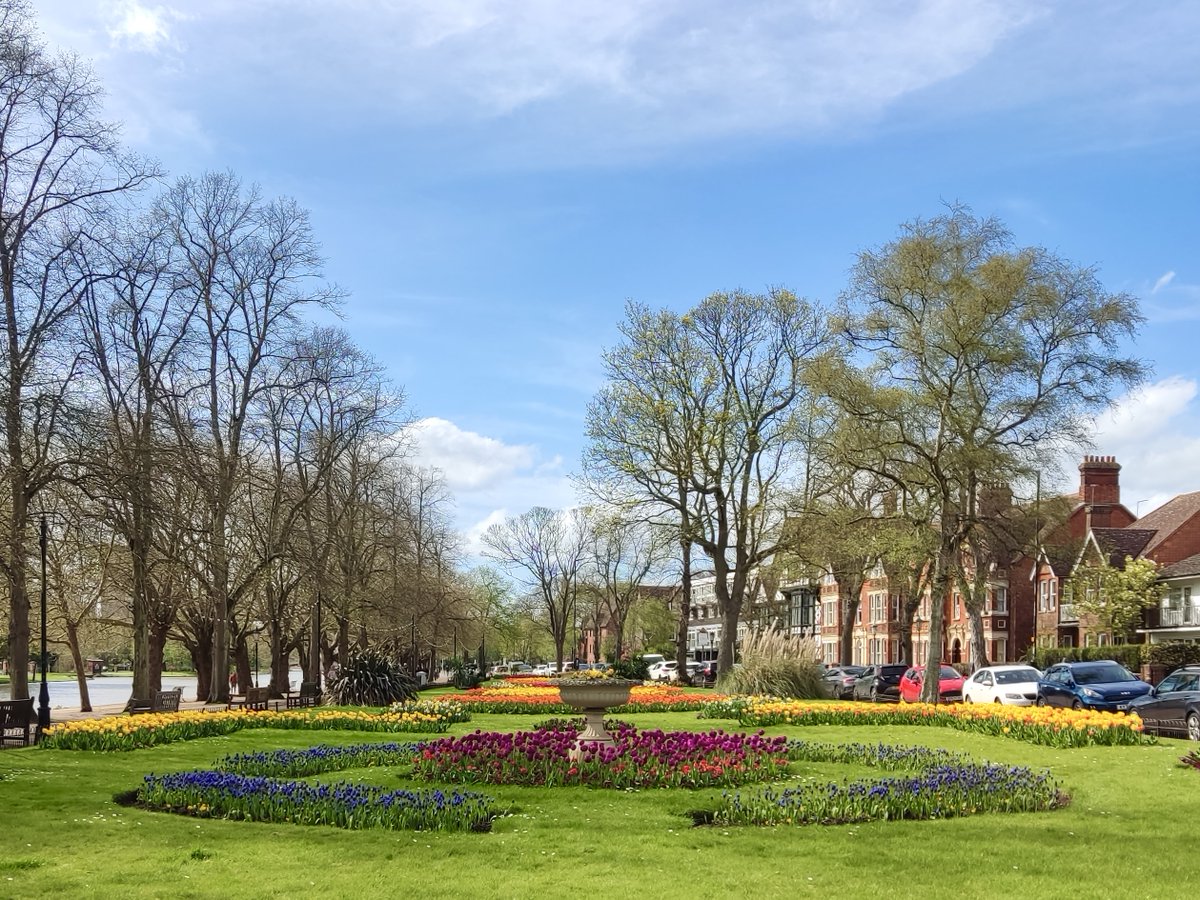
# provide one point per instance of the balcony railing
(1173, 617)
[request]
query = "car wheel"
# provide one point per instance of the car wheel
(1041, 701)
(874, 695)
(1193, 727)
(1077, 705)
(967, 698)
(998, 700)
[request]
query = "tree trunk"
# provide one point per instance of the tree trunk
(85, 700)
(157, 646)
(279, 659)
(937, 603)
(685, 609)
(18, 589)
(979, 654)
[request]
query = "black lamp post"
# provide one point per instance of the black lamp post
(44, 694)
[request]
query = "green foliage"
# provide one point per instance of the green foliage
(1116, 597)
(634, 669)
(371, 678)
(775, 664)
(1171, 654)
(1128, 655)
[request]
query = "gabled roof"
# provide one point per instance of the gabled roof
(1114, 544)
(1169, 517)
(1183, 569)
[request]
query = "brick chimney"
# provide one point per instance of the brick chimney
(1100, 488)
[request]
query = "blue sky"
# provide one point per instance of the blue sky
(491, 181)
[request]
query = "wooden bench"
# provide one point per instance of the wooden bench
(16, 717)
(162, 701)
(308, 695)
(254, 698)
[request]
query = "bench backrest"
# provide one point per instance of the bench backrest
(258, 695)
(16, 713)
(309, 689)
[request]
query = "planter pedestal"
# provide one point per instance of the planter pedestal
(593, 698)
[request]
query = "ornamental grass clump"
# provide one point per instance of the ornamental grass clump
(319, 759)
(638, 759)
(343, 805)
(777, 664)
(940, 792)
(371, 677)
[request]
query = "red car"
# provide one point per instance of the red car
(950, 685)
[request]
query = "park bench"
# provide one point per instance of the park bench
(308, 695)
(254, 698)
(16, 717)
(162, 701)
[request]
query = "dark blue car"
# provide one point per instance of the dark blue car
(1103, 685)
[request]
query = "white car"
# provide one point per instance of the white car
(663, 671)
(1015, 685)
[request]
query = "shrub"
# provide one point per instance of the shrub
(1173, 654)
(371, 678)
(1128, 655)
(634, 669)
(776, 664)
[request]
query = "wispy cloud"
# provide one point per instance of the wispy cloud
(1163, 280)
(637, 73)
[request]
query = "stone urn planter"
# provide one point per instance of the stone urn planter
(592, 698)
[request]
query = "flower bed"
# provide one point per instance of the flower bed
(639, 759)
(940, 792)
(445, 710)
(542, 698)
(1048, 726)
(319, 759)
(135, 732)
(343, 805)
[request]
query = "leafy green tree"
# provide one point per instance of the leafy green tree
(983, 362)
(702, 420)
(1115, 597)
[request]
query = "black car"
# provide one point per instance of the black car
(1174, 706)
(879, 684)
(839, 681)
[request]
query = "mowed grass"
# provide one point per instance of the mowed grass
(1132, 810)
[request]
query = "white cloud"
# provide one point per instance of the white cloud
(469, 461)
(1164, 279)
(490, 479)
(1155, 435)
(138, 26)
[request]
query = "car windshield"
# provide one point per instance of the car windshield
(949, 672)
(1102, 674)
(1017, 676)
(893, 670)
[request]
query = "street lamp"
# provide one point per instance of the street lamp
(44, 693)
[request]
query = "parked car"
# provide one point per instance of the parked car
(1011, 685)
(838, 681)
(1103, 685)
(950, 684)
(664, 670)
(879, 684)
(543, 669)
(1173, 707)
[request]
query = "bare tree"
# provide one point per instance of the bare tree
(59, 167)
(254, 266)
(546, 548)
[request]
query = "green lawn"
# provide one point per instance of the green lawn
(1132, 808)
